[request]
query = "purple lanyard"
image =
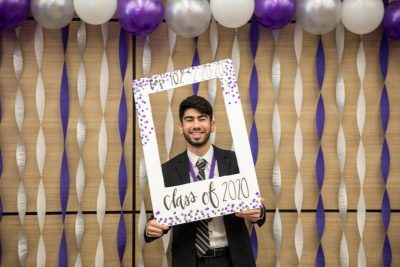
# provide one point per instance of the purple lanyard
(212, 169)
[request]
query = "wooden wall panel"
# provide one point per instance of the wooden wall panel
(373, 135)
(51, 70)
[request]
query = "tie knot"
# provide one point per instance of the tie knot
(201, 164)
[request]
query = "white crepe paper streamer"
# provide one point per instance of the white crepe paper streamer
(236, 62)
(361, 163)
(212, 83)
(40, 145)
(341, 145)
(142, 217)
(146, 66)
(298, 142)
(169, 127)
(102, 149)
(81, 139)
(276, 136)
(20, 149)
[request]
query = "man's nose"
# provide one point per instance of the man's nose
(196, 123)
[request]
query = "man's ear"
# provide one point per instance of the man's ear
(180, 127)
(212, 126)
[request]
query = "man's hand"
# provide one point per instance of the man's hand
(154, 229)
(251, 215)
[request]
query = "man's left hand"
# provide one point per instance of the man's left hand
(251, 215)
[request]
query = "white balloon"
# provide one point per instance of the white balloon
(362, 16)
(232, 13)
(94, 11)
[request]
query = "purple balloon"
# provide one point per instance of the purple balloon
(391, 20)
(140, 17)
(274, 14)
(13, 13)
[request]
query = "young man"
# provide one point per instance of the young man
(222, 241)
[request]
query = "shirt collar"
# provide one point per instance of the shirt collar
(193, 158)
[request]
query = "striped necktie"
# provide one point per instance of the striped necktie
(202, 240)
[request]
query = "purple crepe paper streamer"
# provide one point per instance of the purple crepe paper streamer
(320, 164)
(122, 123)
(196, 62)
(385, 154)
(254, 37)
(64, 177)
(1, 171)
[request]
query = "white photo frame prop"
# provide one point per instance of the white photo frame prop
(208, 198)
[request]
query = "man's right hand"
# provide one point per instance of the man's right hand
(154, 229)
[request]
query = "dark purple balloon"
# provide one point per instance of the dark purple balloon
(391, 20)
(274, 14)
(140, 17)
(13, 13)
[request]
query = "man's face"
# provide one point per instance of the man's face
(196, 127)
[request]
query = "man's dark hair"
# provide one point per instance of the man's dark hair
(197, 102)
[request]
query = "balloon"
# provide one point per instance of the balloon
(94, 11)
(362, 16)
(13, 13)
(188, 18)
(318, 16)
(53, 14)
(274, 14)
(391, 20)
(232, 13)
(140, 17)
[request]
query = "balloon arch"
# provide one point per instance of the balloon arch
(189, 18)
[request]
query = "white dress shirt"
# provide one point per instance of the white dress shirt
(216, 226)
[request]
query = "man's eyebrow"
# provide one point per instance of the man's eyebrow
(192, 117)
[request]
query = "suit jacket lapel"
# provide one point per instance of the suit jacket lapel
(182, 168)
(223, 162)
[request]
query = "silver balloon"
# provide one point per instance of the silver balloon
(188, 18)
(53, 14)
(318, 16)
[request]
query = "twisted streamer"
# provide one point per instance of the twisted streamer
(236, 54)
(123, 122)
(341, 145)
(1, 166)
(102, 149)
(276, 136)
(40, 146)
(298, 142)
(320, 164)
(146, 66)
(236, 64)
(169, 128)
(64, 177)
(81, 139)
(212, 84)
(361, 164)
(253, 91)
(196, 62)
(385, 153)
(20, 149)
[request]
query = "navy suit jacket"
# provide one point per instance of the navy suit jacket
(176, 172)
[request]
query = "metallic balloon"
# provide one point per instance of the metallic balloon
(274, 14)
(53, 14)
(13, 13)
(362, 16)
(232, 13)
(391, 20)
(188, 18)
(140, 17)
(318, 16)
